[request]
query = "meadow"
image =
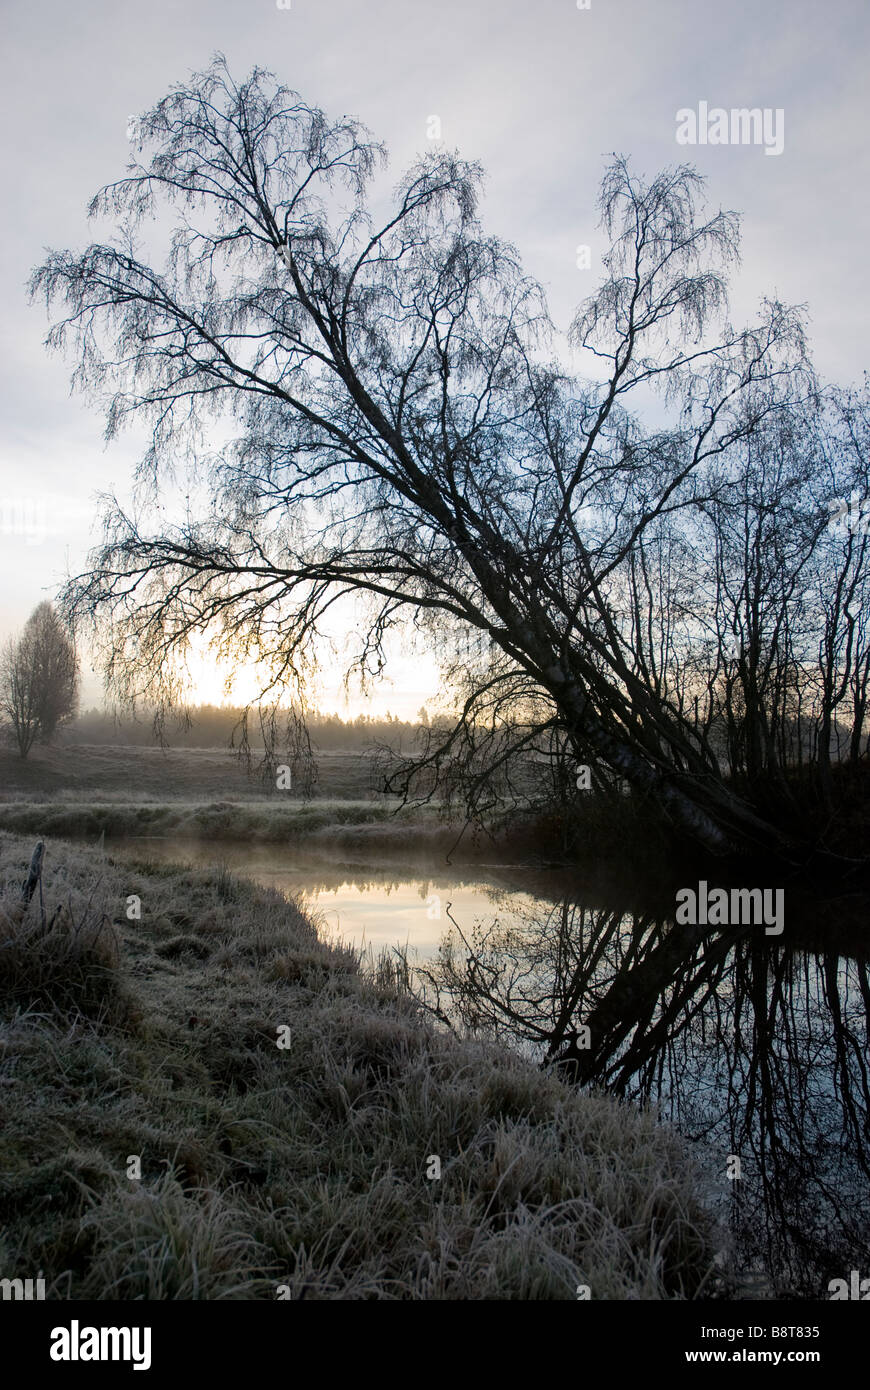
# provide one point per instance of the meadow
(130, 772)
(96, 790)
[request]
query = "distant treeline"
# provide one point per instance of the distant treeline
(214, 726)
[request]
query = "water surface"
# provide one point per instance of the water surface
(755, 1047)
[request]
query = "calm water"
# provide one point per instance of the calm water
(370, 905)
(755, 1047)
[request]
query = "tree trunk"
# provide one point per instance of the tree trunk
(711, 814)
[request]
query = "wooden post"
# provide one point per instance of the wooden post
(28, 887)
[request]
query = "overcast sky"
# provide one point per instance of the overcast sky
(539, 91)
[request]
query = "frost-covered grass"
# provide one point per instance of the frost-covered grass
(302, 1166)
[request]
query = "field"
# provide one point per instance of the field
(91, 791)
(90, 772)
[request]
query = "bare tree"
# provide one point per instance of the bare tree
(18, 695)
(39, 679)
(403, 435)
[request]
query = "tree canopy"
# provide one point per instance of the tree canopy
(668, 602)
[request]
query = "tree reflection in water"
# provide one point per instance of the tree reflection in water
(752, 1048)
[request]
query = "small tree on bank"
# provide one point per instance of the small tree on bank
(39, 679)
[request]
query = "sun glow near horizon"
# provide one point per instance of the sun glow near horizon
(204, 677)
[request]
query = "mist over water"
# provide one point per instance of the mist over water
(378, 905)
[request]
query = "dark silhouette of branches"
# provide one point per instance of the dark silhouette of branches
(404, 438)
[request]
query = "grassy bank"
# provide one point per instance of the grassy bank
(264, 821)
(302, 1166)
